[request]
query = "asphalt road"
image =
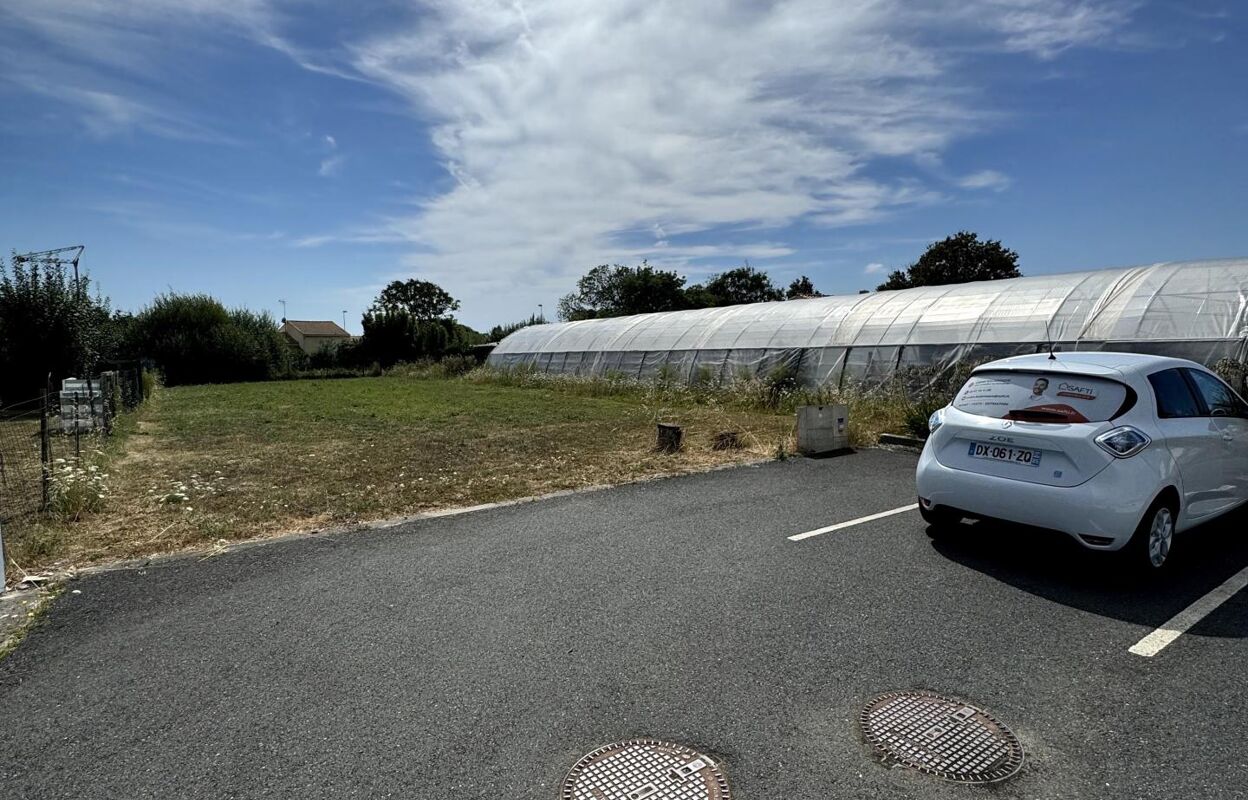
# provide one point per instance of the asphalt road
(481, 655)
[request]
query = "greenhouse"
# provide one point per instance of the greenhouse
(1194, 310)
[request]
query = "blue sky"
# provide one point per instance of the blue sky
(262, 149)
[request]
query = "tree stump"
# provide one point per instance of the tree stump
(668, 437)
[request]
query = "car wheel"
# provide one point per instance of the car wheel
(940, 521)
(1149, 549)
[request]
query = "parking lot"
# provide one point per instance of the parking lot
(481, 655)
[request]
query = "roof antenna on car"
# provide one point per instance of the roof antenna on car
(1049, 338)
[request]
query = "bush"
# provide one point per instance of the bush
(195, 339)
(1234, 372)
(150, 381)
(449, 367)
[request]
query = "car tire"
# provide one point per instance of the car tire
(940, 521)
(1149, 550)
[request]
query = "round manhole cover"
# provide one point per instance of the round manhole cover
(645, 769)
(941, 736)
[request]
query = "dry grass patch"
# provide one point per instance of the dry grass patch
(201, 464)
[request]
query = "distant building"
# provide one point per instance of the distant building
(313, 336)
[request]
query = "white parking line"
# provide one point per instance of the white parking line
(1153, 643)
(797, 537)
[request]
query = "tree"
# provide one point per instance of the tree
(394, 336)
(801, 288)
(617, 291)
(501, 332)
(741, 285)
(958, 259)
(409, 321)
(421, 299)
(48, 324)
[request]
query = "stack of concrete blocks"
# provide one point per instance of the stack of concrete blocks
(82, 405)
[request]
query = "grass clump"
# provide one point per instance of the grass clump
(34, 617)
(77, 485)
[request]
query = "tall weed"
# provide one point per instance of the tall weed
(899, 405)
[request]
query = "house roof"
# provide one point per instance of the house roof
(316, 327)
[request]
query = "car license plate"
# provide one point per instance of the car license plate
(997, 452)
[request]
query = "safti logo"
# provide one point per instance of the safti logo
(1076, 391)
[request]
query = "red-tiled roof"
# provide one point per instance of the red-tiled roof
(316, 327)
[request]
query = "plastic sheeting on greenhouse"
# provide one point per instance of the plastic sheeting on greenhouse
(1196, 310)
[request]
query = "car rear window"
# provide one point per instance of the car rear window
(1041, 397)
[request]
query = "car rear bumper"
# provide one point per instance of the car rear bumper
(1101, 513)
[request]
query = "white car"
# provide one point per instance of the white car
(1116, 450)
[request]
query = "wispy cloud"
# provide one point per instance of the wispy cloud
(109, 61)
(874, 268)
(986, 179)
(559, 136)
(1045, 28)
(112, 60)
(154, 220)
(566, 125)
(330, 166)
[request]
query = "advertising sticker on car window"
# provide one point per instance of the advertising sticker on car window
(1035, 397)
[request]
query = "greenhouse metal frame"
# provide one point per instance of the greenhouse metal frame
(1196, 310)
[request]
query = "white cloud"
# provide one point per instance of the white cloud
(873, 268)
(1047, 27)
(330, 166)
(106, 113)
(986, 179)
(111, 61)
(565, 123)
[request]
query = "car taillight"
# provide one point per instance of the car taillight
(1123, 442)
(935, 420)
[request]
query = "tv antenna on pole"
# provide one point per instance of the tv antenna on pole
(58, 257)
(54, 258)
(283, 302)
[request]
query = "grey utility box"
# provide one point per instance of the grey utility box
(822, 429)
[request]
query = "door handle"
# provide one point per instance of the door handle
(1226, 437)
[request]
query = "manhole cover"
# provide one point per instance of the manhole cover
(645, 769)
(941, 736)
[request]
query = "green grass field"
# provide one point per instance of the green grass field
(200, 464)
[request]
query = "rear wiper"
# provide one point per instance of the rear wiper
(1037, 414)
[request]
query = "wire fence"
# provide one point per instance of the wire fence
(46, 440)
